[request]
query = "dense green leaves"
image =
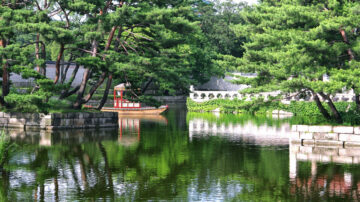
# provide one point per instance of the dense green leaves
(292, 44)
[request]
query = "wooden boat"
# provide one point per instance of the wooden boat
(123, 106)
(136, 111)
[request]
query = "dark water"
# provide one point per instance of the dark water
(179, 157)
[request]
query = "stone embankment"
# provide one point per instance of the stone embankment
(345, 136)
(58, 120)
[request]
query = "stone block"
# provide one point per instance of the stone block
(295, 142)
(308, 142)
(357, 130)
(302, 128)
(26, 115)
(79, 123)
(328, 143)
(108, 114)
(80, 115)
(56, 116)
(350, 144)
(320, 129)
(56, 122)
(87, 115)
(20, 121)
(4, 121)
(90, 126)
(71, 115)
(356, 160)
(306, 136)
(349, 137)
(1, 114)
(6, 115)
(293, 135)
(294, 148)
(95, 121)
(12, 125)
(306, 150)
(48, 121)
(66, 122)
(88, 121)
(326, 136)
(349, 152)
(303, 157)
(32, 127)
(100, 114)
(343, 129)
(14, 115)
(326, 151)
(316, 157)
(342, 159)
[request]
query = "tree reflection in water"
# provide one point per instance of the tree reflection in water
(163, 163)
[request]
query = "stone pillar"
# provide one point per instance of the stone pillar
(292, 163)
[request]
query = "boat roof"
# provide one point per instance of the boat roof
(122, 86)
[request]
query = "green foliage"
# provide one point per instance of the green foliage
(5, 146)
(235, 105)
(26, 103)
(308, 113)
(291, 44)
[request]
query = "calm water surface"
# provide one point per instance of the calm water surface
(179, 156)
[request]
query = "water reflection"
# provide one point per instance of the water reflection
(246, 129)
(130, 127)
(198, 157)
(324, 172)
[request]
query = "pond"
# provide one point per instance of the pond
(179, 156)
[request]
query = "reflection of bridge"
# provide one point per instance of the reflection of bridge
(248, 132)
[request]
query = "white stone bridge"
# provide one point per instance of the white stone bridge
(202, 96)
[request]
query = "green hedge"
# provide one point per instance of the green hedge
(305, 112)
(236, 105)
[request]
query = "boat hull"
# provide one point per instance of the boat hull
(136, 111)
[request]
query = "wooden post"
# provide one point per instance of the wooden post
(115, 105)
(121, 99)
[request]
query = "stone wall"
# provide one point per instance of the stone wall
(68, 137)
(58, 120)
(326, 135)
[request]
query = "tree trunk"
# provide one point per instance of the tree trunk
(107, 168)
(349, 51)
(357, 101)
(43, 67)
(57, 66)
(37, 50)
(94, 88)
(323, 111)
(146, 86)
(333, 109)
(63, 78)
(68, 93)
(80, 92)
(106, 92)
(5, 78)
(86, 76)
(65, 93)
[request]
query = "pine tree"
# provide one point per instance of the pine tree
(292, 44)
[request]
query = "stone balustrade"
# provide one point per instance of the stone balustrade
(58, 120)
(326, 135)
(202, 96)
